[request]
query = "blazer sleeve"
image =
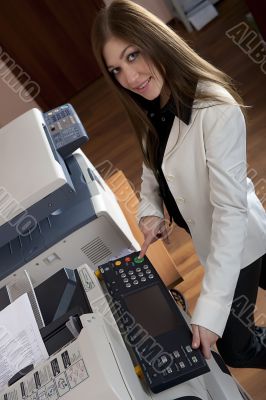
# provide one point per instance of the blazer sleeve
(151, 203)
(225, 146)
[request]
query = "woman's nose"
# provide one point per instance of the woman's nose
(131, 76)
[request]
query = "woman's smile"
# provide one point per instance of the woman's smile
(144, 86)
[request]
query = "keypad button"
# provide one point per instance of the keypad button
(169, 370)
(164, 359)
(148, 271)
(130, 272)
(140, 274)
(138, 269)
(181, 364)
(133, 277)
(151, 276)
(176, 354)
(120, 270)
(138, 260)
(145, 266)
(188, 349)
(194, 359)
(125, 280)
(117, 263)
(143, 279)
(123, 275)
(127, 259)
(128, 285)
(135, 282)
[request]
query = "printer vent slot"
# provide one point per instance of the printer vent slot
(96, 250)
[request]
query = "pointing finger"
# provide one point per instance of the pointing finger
(144, 247)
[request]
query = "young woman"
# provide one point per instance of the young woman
(191, 129)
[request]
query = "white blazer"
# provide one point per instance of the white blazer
(205, 167)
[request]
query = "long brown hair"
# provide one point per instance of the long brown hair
(180, 66)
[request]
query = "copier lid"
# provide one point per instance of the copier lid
(28, 169)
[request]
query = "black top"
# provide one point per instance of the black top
(162, 119)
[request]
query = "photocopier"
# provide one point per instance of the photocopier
(110, 326)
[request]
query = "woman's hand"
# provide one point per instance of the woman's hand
(153, 228)
(203, 338)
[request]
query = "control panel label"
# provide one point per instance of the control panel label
(53, 379)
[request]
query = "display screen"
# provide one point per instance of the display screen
(152, 311)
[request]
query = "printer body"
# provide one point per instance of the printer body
(59, 222)
(55, 208)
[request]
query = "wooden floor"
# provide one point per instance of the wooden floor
(112, 142)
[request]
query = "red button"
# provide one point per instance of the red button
(127, 259)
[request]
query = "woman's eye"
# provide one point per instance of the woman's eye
(114, 71)
(132, 56)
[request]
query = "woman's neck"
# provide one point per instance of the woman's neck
(164, 96)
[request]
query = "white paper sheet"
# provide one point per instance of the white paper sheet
(21, 343)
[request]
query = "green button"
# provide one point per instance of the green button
(138, 260)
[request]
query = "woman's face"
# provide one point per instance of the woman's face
(132, 69)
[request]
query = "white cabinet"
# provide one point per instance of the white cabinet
(194, 13)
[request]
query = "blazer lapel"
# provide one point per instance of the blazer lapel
(178, 132)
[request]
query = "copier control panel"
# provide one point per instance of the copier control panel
(151, 324)
(67, 131)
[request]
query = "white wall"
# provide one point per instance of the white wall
(11, 104)
(157, 7)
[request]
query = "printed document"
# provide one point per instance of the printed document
(21, 343)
